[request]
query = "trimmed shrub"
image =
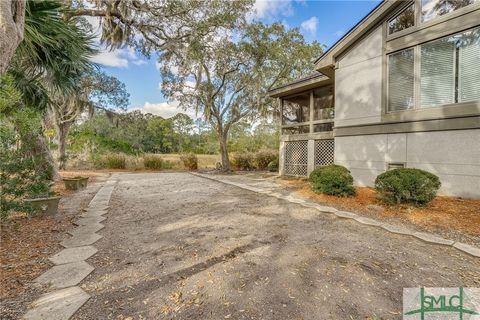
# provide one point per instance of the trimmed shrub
(116, 161)
(190, 161)
(152, 162)
(264, 157)
(273, 165)
(332, 179)
(243, 161)
(407, 185)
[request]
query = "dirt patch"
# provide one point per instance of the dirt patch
(176, 246)
(26, 244)
(442, 215)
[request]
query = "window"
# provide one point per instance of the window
(468, 59)
(437, 73)
(403, 20)
(401, 80)
(449, 70)
(323, 103)
(296, 109)
(435, 8)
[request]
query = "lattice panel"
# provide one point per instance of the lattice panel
(324, 152)
(296, 157)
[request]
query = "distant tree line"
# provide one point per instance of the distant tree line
(135, 132)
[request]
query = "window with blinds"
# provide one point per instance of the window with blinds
(469, 66)
(449, 72)
(401, 80)
(437, 73)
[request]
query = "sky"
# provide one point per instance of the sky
(324, 21)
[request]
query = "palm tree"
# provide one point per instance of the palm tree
(49, 62)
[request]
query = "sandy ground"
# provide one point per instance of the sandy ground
(177, 246)
(453, 218)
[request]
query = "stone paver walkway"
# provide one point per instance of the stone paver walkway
(65, 297)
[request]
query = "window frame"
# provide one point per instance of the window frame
(311, 123)
(446, 25)
(420, 20)
(419, 25)
(398, 12)
(469, 107)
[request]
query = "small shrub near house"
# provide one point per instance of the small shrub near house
(263, 158)
(273, 165)
(116, 161)
(243, 161)
(333, 180)
(407, 185)
(153, 162)
(190, 161)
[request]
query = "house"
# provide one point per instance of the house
(400, 89)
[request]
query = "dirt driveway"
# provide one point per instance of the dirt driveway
(177, 246)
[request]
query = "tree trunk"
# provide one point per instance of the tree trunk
(62, 133)
(222, 138)
(41, 148)
(12, 23)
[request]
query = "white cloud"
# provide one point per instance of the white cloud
(165, 109)
(310, 25)
(118, 58)
(271, 9)
(110, 59)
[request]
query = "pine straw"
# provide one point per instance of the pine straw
(443, 213)
(26, 244)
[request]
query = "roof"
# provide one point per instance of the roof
(325, 63)
(378, 14)
(310, 81)
(349, 31)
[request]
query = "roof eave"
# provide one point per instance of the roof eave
(299, 86)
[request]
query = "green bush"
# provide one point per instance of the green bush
(264, 157)
(273, 165)
(190, 161)
(332, 179)
(243, 161)
(167, 164)
(23, 173)
(407, 185)
(153, 162)
(116, 161)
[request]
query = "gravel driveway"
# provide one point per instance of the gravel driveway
(177, 246)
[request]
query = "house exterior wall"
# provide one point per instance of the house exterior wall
(358, 82)
(454, 156)
(444, 139)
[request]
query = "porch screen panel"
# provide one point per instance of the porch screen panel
(296, 157)
(469, 66)
(437, 73)
(401, 80)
